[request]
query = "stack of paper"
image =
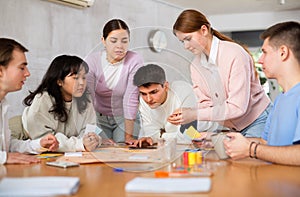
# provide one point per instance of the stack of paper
(39, 186)
(167, 185)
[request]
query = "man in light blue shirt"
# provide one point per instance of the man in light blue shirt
(280, 142)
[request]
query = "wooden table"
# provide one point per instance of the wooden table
(231, 178)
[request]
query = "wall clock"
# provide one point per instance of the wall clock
(157, 41)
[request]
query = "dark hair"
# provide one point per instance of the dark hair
(112, 25)
(59, 68)
(192, 20)
(7, 46)
(286, 33)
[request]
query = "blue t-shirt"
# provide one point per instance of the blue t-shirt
(283, 124)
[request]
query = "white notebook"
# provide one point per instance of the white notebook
(168, 185)
(39, 186)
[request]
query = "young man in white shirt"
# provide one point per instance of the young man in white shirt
(158, 99)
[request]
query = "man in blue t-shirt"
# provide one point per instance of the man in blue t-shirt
(280, 141)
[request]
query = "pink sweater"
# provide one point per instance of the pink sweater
(123, 99)
(233, 95)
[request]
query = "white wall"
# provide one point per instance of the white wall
(251, 21)
(49, 29)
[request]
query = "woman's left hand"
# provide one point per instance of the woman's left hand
(91, 141)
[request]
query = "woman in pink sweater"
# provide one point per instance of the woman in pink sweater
(110, 81)
(224, 78)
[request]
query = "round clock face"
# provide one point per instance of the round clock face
(158, 41)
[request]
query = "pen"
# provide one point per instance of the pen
(133, 169)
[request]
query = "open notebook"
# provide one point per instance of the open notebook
(168, 185)
(39, 186)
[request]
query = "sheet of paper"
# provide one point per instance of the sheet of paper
(73, 154)
(138, 157)
(114, 154)
(39, 186)
(168, 185)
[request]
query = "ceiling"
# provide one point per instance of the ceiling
(216, 7)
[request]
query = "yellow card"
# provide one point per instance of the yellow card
(192, 133)
(48, 155)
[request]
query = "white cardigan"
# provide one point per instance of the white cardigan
(38, 122)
